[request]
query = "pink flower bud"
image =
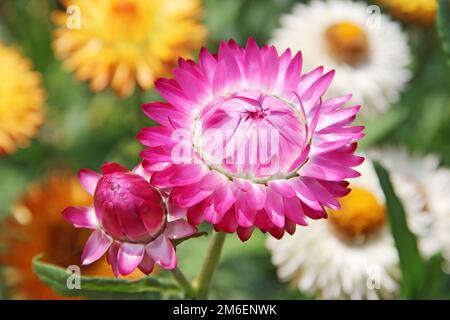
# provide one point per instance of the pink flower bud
(130, 221)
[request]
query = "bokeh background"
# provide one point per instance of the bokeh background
(83, 129)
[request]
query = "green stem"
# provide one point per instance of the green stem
(209, 265)
(184, 282)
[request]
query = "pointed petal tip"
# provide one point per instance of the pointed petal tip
(96, 246)
(129, 257)
(112, 167)
(88, 179)
(81, 217)
(162, 251)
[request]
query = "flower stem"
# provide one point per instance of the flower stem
(209, 265)
(183, 282)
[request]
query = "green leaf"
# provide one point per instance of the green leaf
(443, 25)
(411, 263)
(382, 125)
(195, 235)
(105, 288)
(437, 282)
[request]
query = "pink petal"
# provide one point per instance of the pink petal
(245, 233)
(257, 196)
(195, 214)
(112, 258)
(245, 214)
(282, 187)
(213, 181)
(263, 221)
(179, 229)
(321, 172)
(162, 252)
(171, 91)
(228, 223)
(95, 247)
(192, 87)
(284, 62)
(290, 226)
(223, 199)
(322, 194)
(277, 233)
(336, 188)
(293, 72)
(335, 103)
(314, 214)
(176, 212)
(227, 72)
(147, 264)
(275, 208)
(129, 257)
(220, 78)
(155, 136)
(208, 64)
(88, 180)
(305, 194)
(81, 217)
(316, 91)
(252, 62)
(111, 167)
(210, 213)
(187, 174)
(294, 211)
(308, 79)
(165, 114)
(325, 147)
(336, 117)
(271, 66)
(187, 196)
(139, 170)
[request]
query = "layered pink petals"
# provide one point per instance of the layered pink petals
(95, 247)
(129, 257)
(231, 102)
(179, 229)
(162, 252)
(130, 220)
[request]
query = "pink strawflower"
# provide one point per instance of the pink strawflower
(129, 219)
(245, 140)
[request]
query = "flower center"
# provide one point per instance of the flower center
(128, 22)
(360, 216)
(124, 8)
(347, 43)
(250, 135)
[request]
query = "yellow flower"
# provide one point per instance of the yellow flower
(37, 226)
(21, 100)
(122, 43)
(414, 11)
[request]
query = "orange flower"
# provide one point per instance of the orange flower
(413, 11)
(21, 100)
(122, 43)
(38, 227)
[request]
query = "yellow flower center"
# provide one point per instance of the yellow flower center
(124, 8)
(129, 23)
(360, 216)
(347, 43)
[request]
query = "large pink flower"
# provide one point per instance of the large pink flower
(245, 140)
(129, 218)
